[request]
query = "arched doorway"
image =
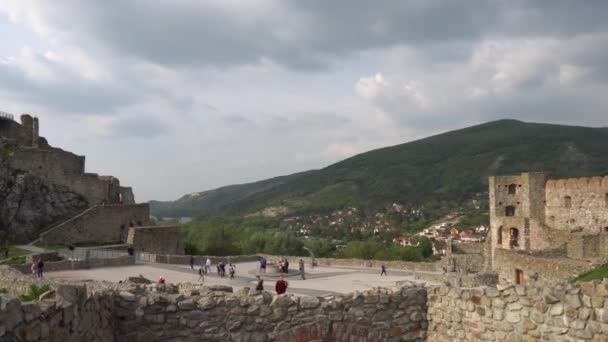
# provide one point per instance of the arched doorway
(513, 238)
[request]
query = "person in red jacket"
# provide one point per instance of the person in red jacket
(281, 285)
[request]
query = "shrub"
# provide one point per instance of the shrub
(34, 292)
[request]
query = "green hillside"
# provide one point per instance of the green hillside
(451, 167)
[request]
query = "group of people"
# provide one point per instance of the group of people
(280, 286)
(37, 268)
(206, 266)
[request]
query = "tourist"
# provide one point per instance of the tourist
(281, 285)
(222, 268)
(40, 268)
(232, 270)
(201, 275)
(302, 269)
(260, 285)
(33, 268)
(383, 270)
(207, 265)
(161, 280)
(192, 263)
(286, 266)
(263, 264)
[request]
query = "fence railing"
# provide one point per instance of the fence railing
(6, 116)
(85, 254)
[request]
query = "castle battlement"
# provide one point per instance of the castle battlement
(529, 213)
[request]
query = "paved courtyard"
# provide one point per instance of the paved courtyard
(319, 280)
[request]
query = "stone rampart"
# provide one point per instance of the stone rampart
(427, 266)
(63, 265)
(468, 247)
(516, 313)
(70, 316)
(577, 203)
(156, 239)
(134, 312)
(537, 269)
(102, 223)
(200, 259)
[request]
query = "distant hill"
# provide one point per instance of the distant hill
(452, 166)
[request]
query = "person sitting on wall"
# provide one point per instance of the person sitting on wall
(260, 285)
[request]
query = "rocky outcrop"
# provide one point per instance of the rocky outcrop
(29, 204)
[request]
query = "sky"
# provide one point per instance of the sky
(180, 96)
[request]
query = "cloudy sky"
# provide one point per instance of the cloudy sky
(187, 95)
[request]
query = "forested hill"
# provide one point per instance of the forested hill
(451, 167)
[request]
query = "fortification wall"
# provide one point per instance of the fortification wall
(24, 134)
(68, 169)
(156, 239)
(70, 316)
(406, 265)
(559, 313)
(404, 313)
(63, 265)
(536, 269)
(577, 204)
(52, 164)
(102, 223)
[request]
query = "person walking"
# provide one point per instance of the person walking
(232, 270)
(191, 263)
(281, 285)
(286, 265)
(260, 285)
(263, 264)
(301, 267)
(33, 268)
(383, 270)
(207, 265)
(40, 268)
(201, 275)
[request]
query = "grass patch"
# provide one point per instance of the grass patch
(19, 260)
(3, 290)
(597, 273)
(34, 292)
(48, 246)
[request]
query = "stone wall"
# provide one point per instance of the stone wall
(70, 316)
(405, 265)
(560, 313)
(200, 259)
(375, 315)
(24, 134)
(537, 269)
(406, 313)
(588, 207)
(102, 223)
(63, 265)
(156, 239)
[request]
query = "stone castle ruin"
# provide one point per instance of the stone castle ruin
(47, 190)
(546, 230)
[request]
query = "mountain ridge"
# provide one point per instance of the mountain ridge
(450, 166)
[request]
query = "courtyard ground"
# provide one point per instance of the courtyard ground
(319, 281)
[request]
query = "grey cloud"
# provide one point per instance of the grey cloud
(69, 95)
(319, 31)
(137, 127)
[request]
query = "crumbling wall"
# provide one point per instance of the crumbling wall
(587, 207)
(70, 316)
(517, 313)
(156, 239)
(537, 269)
(102, 223)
